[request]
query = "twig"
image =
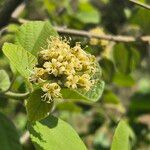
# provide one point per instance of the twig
(82, 33)
(140, 4)
(19, 10)
(16, 96)
(118, 38)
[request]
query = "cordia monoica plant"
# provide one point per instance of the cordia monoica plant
(54, 72)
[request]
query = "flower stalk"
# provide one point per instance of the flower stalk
(16, 96)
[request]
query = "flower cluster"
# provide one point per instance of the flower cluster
(60, 65)
(94, 41)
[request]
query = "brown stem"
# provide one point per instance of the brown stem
(82, 33)
(116, 38)
(140, 4)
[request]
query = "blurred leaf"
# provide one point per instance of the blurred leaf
(105, 1)
(135, 59)
(122, 58)
(123, 80)
(69, 106)
(121, 139)
(140, 102)
(4, 80)
(54, 134)
(102, 138)
(144, 84)
(21, 59)
(86, 13)
(110, 97)
(108, 69)
(9, 139)
(20, 121)
(12, 28)
(3, 102)
(36, 108)
(141, 17)
(50, 5)
(6, 38)
(33, 36)
(126, 58)
(115, 110)
(54, 6)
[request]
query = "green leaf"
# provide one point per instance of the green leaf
(123, 80)
(135, 59)
(122, 58)
(92, 95)
(3, 102)
(54, 134)
(33, 36)
(126, 58)
(108, 69)
(9, 139)
(69, 106)
(140, 103)
(4, 80)
(121, 139)
(36, 108)
(87, 13)
(141, 17)
(110, 97)
(21, 59)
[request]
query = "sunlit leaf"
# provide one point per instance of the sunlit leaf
(123, 135)
(54, 134)
(33, 35)
(21, 59)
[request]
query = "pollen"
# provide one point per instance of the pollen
(63, 66)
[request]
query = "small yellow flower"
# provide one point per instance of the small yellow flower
(37, 75)
(64, 66)
(70, 70)
(85, 82)
(52, 90)
(94, 41)
(72, 81)
(52, 67)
